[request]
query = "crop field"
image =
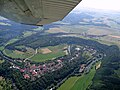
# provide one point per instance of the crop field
(80, 82)
(1, 48)
(11, 41)
(43, 54)
(55, 30)
(74, 29)
(44, 57)
(38, 29)
(70, 83)
(16, 54)
(85, 81)
(112, 38)
(49, 53)
(45, 51)
(28, 33)
(20, 47)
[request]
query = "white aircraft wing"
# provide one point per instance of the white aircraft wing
(36, 12)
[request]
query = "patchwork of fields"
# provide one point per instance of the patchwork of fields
(42, 54)
(49, 53)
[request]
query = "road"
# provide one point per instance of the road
(36, 51)
(88, 68)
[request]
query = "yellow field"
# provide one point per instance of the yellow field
(99, 31)
(18, 52)
(114, 36)
(55, 30)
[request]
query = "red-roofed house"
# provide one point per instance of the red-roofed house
(26, 76)
(59, 61)
(22, 70)
(34, 73)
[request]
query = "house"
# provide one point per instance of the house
(78, 49)
(22, 70)
(26, 76)
(59, 61)
(82, 67)
(34, 73)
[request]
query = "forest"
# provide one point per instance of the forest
(108, 76)
(36, 41)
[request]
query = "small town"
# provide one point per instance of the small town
(33, 71)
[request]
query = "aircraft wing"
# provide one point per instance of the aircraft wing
(36, 12)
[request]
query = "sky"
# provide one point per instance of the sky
(100, 4)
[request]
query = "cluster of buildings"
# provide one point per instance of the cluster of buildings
(31, 71)
(95, 58)
(90, 50)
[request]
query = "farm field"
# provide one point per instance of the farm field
(42, 54)
(80, 82)
(85, 81)
(1, 48)
(38, 29)
(69, 83)
(16, 54)
(55, 30)
(49, 53)
(28, 33)
(11, 41)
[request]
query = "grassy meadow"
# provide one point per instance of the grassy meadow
(56, 51)
(80, 82)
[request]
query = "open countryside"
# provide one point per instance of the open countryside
(72, 54)
(41, 55)
(49, 53)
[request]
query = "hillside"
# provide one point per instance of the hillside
(90, 22)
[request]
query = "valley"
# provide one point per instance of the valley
(65, 55)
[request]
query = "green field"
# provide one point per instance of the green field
(11, 41)
(15, 54)
(20, 47)
(79, 83)
(69, 83)
(1, 48)
(57, 51)
(28, 33)
(44, 57)
(38, 29)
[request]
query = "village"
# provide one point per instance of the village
(33, 71)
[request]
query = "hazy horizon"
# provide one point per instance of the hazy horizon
(99, 4)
